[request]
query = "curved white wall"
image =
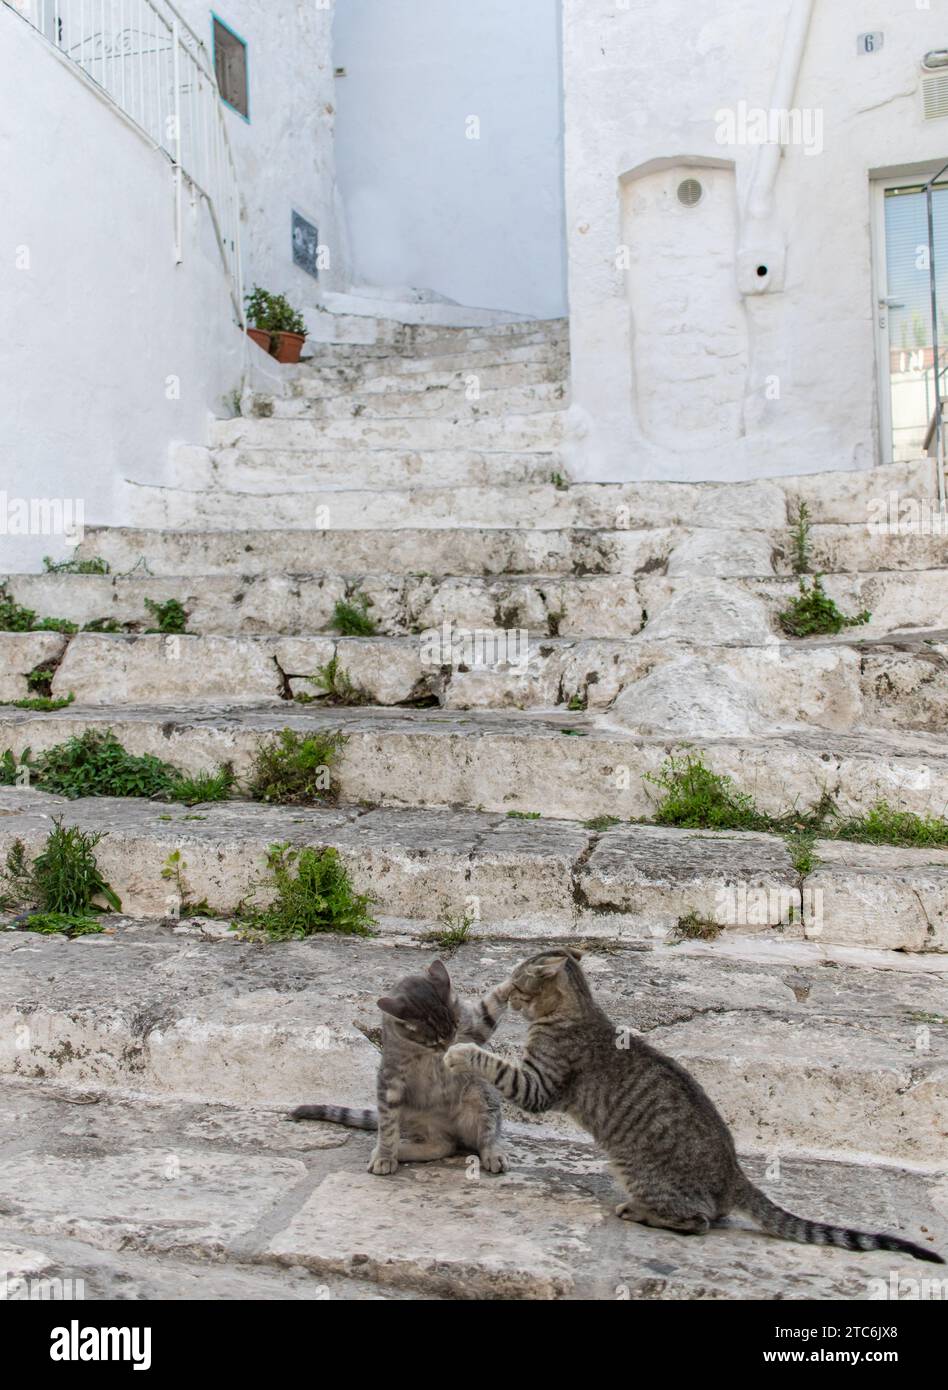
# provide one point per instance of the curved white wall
(477, 220)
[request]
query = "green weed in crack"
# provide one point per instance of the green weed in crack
(170, 617)
(296, 769)
(350, 618)
(63, 878)
(310, 893)
(15, 617)
(450, 933)
(814, 614)
(696, 798)
(336, 687)
(94, 763)
(94, 565)
(800, 540)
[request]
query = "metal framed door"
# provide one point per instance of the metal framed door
(905, 289)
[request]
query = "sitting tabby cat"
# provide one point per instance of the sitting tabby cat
(669, 1146)
(425, 1112)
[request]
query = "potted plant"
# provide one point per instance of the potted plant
(258, 307)
(287, 329)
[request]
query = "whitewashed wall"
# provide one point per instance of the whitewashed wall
(674, 370)
(108, 350)
(477, 220)
(284, 152)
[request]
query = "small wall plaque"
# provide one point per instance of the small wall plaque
(305, 245)
(870, 43)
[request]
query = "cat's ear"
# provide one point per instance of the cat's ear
(396, 1007)
(546, 969)
(439, 977)
(574, 952)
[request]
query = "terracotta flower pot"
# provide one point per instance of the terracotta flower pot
(261, 337)
(286, 347)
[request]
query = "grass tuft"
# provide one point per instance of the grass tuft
(815, 614)
(296, 769)
(696, 798)
(336, 686)
(695, 928)
(883, 825)
(169, 616)
(351, 618)
(63, 878)
(800, 540)
(94, 565)
(450, 933)
(61, 924)
(311, 894)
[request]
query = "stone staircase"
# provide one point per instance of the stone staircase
(423, 473)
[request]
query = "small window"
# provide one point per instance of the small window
(230, 67)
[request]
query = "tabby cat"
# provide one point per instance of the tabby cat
(425, 1112)
(668, 1144)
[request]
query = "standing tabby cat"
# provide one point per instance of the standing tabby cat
(424, 1111)
(667, 1142)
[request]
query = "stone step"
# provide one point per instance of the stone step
(561, 766)
(650, 685)
(462, 405)
(303, 470)
(369, 379)
(373, 361)
(399, 605)
(800, 1058)
(495, 550)
(423, 339)
(515, 878)
(264, 1210)
(541, 429)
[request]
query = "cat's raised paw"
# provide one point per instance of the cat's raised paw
(382, 1167)
(458, 1057)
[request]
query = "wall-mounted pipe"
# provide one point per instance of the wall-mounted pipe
(761, 254)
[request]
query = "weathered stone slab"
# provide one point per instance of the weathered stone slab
(800, 1057)
(562, 765)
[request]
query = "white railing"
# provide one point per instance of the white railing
(149, 61)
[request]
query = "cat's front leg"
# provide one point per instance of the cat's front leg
(479, 1021)
(384, 1160)
(525, 1085)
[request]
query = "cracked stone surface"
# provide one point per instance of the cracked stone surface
(803, 1049)
(526, 877)
(138, 1199)
(648, 684)
(508, 761)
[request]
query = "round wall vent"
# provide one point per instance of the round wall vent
(690, 193)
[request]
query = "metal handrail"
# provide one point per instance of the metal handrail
(146, 59)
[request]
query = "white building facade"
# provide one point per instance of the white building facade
(728, 297)
(725, 196)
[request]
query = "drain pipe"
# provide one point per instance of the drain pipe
(762, 252)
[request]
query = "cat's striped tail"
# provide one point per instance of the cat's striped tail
(337, 1115)
(777, 1222)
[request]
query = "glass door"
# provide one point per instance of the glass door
(905, 316)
